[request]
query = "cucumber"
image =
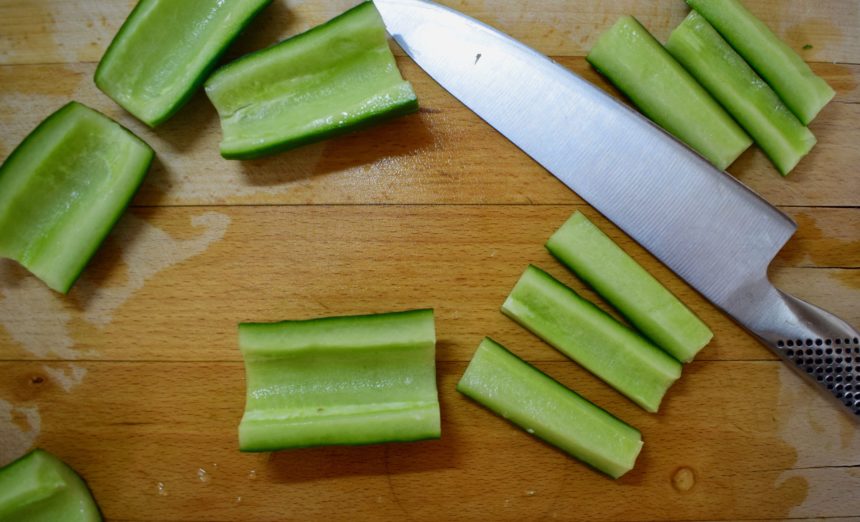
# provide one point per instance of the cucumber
(616, 276)
(532, 400)
(39, 487)
(63, 188)
(804, 92)
(166, 49)
(339, 380)
(591, 337)
(333, 79)
(713, 62)
(642, 69)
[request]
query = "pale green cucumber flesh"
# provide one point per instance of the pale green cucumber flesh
(335, 78)
(804, 92)
(643, 70)
(750, 100)
(628, 287)
(165, 50)
(39, 487)
(524, 395)
(63, 188)
(594, 339)
(339, 380)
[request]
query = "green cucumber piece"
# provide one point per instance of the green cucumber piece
(804, 92)
(63, 188)
(166, 49)
(751, 101)
(619, 279)
(591, 337)
(39, 487)
(642, 69)
(333, 79)
(339, 380)
(532, 400)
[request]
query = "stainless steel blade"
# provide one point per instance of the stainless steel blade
(706, 226)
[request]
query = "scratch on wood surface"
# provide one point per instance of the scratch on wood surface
(856, 466)
(391, 489)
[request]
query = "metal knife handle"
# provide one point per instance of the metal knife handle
(820, 346)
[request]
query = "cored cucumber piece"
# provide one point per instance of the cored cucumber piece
(713, 62)
(166, 49)
(63, 188)
(339, 380)
(330, 80)
(591, 337)
(616, 276)
(804, 92)
(39, 487)
(532, 400)
(642, 69)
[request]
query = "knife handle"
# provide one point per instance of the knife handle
(820, 346)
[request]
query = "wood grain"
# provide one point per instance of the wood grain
(71, 31)
(443, 154)
(161, 424)
(280, 262)
(135, 378)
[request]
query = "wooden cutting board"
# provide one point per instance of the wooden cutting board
(135, 378)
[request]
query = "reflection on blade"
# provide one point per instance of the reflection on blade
(710, 229)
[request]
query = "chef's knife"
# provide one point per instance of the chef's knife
(706, 226)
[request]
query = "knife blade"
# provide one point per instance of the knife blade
(706, 226)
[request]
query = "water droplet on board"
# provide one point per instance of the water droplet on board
(202, 476)
(162, 491)
(252, 474)
(530, 493)
(683, 479)
(239, 500)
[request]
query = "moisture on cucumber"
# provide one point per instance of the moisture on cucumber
(339, 380)
(63, 188)
(165, 50)
(643, 70)
(335, 78)
(751, 101)
(619, 279)
(39, 487)
(591, 337)
(532, 400)
(804, 92)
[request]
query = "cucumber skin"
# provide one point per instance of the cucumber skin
(538, 378)
(64, 288)
(249, 333)
(400, 110)
(573, 244)
(724, 140)
(759, 110)
(93, 512)
(408, 107)
(663, 379)
(257, 447)
(180, 102)
(803, 91)
(255, 350)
